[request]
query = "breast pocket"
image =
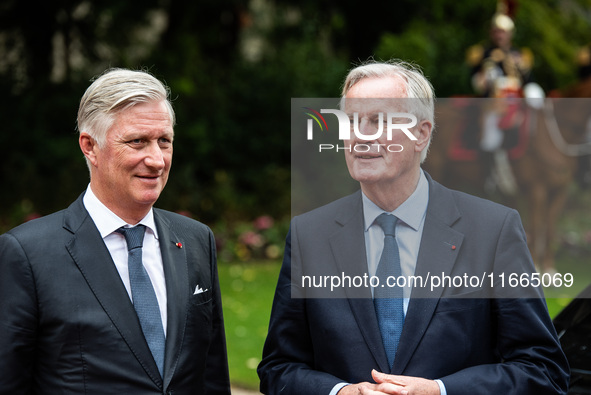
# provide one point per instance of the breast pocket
(447, 305)
(200, 311)
(201, 297)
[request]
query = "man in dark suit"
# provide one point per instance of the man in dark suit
(112, 295)
(457, 339)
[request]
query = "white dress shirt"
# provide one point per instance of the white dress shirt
(107, 223)
(409, 231)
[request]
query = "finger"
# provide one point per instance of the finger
(369, 391)
(355, 389)
(392, 389)
(380, 377)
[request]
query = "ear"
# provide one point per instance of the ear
(423, 135)
(89, 147)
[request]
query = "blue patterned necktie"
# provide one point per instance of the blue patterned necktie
(143, 295)
(388, 300)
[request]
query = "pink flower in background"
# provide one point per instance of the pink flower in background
(251, 239)
(263, 222)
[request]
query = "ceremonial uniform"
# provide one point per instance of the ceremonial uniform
(505, 71)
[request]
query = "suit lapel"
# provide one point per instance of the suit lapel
(174, 260)
(348, 248)
(436, 256)
(96, 265)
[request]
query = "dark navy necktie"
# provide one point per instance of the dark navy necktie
(388, 300)
(143, 295)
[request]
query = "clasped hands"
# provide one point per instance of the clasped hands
(392, 385)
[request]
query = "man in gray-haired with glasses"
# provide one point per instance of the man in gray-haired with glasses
(112, 295)
(388, 337)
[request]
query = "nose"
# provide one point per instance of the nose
(365, 127)
(154, 156)
(366, 131)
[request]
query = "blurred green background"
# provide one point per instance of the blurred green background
(232, 67)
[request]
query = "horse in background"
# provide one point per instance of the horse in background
(541, 160)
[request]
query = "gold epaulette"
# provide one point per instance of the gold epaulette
(474, 54)
(527, 58)
(584, 56)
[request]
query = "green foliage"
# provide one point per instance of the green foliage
(247, 296)
(438, 42)
(232, 67)
(553, 30)
(261, 239)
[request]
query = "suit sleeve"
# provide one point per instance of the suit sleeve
(288, 356)
(216, 371)
(18, 326)
(532, 361)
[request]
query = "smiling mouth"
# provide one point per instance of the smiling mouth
(154, 177)
(368, 156)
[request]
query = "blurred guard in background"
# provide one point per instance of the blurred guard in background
(502, 72)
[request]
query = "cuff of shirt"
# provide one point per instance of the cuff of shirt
(338, 387)
(441, 387)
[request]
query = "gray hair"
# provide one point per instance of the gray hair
(417, 87)
(114, 91)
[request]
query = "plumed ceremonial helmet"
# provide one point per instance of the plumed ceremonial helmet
(503, 22)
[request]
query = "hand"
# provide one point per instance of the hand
(400, 385)
(355, 389)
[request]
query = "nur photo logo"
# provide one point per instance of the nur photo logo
(384, 123)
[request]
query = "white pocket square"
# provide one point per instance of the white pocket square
(198, 290)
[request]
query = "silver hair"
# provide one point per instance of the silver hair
(417, 87)
(114, 91)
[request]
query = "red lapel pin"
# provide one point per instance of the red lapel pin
(179, 245)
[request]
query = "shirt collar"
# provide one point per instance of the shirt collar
(107, 221)
(411, 211)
